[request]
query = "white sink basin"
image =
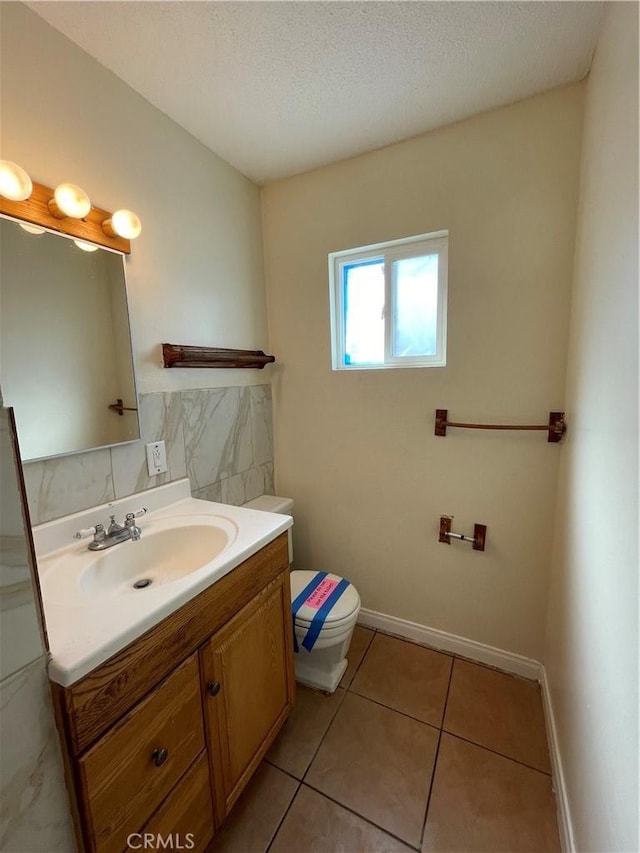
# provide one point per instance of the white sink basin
(168, 550)
(91, 604)
(159, 557)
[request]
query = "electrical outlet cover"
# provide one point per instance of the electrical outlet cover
(156, 458)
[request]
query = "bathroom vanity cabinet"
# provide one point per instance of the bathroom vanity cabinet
(163, 737)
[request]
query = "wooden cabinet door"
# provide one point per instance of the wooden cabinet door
(248, 688)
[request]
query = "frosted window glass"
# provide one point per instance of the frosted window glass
(416, 306)
(364, 312)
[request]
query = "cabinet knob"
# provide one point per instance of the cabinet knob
(213, 688)
(160, 756)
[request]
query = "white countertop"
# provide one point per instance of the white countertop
(85, 630)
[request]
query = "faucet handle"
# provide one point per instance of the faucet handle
(140, 512)
(97, 532)
(130, 518)
(131, 526)
(85, 532)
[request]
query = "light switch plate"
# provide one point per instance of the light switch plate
(156, 458)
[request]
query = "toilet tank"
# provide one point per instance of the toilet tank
(273, 503)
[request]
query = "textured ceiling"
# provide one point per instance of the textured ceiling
(277, 88)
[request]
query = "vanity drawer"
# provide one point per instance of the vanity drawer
(129, 772)
(186, 815)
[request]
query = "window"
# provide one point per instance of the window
(389, 304)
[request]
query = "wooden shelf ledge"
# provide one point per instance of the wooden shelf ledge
(176, 355)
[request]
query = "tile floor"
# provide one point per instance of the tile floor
(416, 750)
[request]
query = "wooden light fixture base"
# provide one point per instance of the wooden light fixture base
(36, 210)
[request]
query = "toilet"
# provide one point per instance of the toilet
(320, 646)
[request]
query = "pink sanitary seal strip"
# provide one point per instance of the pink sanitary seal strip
(321, 593)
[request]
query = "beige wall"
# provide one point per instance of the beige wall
(592, 648)
(356, 450)
(195, 273)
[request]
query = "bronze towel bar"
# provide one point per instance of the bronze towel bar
(556, 427)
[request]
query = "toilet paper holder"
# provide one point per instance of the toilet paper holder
(446, 535)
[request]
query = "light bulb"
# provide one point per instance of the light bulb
(69, 200)
(123, 223)
(15, 184)
(31, 229)
(86, 247)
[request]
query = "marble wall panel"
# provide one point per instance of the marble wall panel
(67, 484)
(34, 809)
(217, 434)
(212, 436)
(161, 420)
(262, 423)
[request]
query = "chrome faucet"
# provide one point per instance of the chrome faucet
(114, 534)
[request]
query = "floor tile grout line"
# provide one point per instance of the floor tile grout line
(288, 773)
(494, 668)
(362, 659)
(473, 742)
(431, 783)
(282, 819)
(417, 643)
(435, 760)
(495, 752)
(322, 793)
(446, 696)
(317, 750)
(453, 655)
(396, 711)
(362, 817)
(346, 690)
(301, 781)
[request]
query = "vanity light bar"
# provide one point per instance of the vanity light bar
(67, 209)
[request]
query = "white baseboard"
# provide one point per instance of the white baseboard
(506, 661)
(565, 825)
(500, 659)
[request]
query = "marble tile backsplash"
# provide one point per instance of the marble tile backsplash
(221, 438)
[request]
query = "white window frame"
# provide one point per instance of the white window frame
(436, 242)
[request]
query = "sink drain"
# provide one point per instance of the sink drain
(142, 583)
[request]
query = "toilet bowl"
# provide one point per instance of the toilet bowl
(325, 609)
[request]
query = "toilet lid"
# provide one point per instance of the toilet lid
(342, 610)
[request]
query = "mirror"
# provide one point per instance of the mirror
(65, 343)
